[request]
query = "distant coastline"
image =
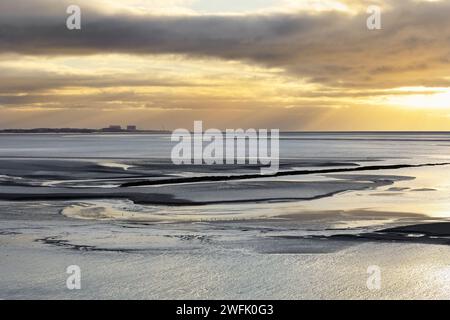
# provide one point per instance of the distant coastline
(80, 131)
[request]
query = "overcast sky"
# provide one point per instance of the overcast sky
(293, 65)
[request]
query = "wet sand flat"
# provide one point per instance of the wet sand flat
(141, 228)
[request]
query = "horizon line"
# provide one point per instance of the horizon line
(124, 130)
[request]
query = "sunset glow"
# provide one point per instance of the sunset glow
(294, 65)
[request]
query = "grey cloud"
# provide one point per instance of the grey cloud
(13, 81)
(332, 48)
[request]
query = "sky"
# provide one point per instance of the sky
(287, 64)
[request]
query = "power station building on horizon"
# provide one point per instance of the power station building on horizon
(118, 128)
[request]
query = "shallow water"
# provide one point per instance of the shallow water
(297, 236)
(96, 165)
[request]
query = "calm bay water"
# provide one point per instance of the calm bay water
(412, 146)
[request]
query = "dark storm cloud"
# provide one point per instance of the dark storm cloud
(332, 48)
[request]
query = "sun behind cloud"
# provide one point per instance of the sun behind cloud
(293, 65)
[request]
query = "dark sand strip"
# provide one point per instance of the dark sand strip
(279, 174)
(153, 199)
(430, 233)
